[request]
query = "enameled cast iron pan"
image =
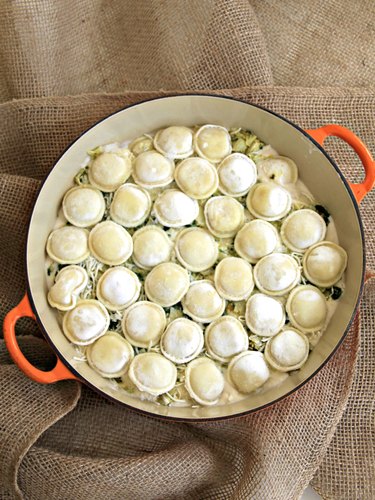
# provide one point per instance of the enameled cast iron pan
(316, 170)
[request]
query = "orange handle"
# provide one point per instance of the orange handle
(359, 190)
(59, 372)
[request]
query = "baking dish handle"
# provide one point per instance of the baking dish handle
(361, 189)
(59, 372)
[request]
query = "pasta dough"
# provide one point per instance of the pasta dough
(192, 263)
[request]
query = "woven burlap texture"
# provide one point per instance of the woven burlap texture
(317, 43)
(56, 444)
(68, 47)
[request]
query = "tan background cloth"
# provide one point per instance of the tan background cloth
(67, 47)
(316, 43)
(64, 441)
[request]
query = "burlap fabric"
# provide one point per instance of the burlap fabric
(315, 43)
(64, 441)
(101, 450)
(68, 47)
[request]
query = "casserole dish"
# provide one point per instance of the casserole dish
(316, 170)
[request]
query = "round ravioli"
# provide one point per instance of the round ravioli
(248, 371)
(151, 246)
(197, 178)
(130, 206)
(141, 144)
(174, 142)
(86, 322)
(110, 243)
(202, 302)
(265, 315)
(276, 274)
(143, 323)
(69, 283)
(324, 263)
(83, 206)
(255, 240)
(288, 350)
(68, 245)
(226, 337)
(118, 288)
(237, 173)
(152, 170)
(234, 278)
(268, 201)
(109, 170)
(307, 308)
(110, 355)
(167, 283)
(224, 216)
(302, 229)
(212, 143)
(204, 381)
(196, 249)
(280, 169)
(189, 176)
(175, 209)
(182, 341)
(153, 373)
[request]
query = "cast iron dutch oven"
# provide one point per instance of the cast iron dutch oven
(316, 169)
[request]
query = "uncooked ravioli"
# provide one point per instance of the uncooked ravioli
(197, 178)
(143, 323)
(174, 142)
(83, 206)
(237, 173)
(268, 201)
(192, 271)
(196, 249)
(302, 229)
(174, 208)
(212, 142)
(151, 246)
(224, 216)
(255, 240)
(288, 350)
(109, 170)
(202, 303)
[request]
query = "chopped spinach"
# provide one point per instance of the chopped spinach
(113, 325)
(323, 212)
(336, 292)
(333, 292)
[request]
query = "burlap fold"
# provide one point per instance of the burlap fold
(96, 449)
(317, 43)
(348, 469)
(27, 413)
(69, 47)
